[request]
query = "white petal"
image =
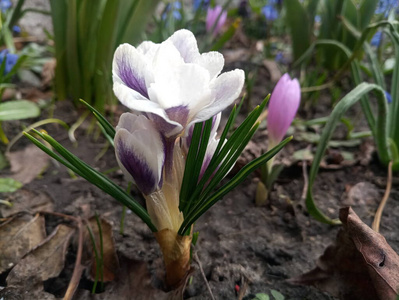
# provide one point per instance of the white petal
(140, 151)
(212, 61)
(184, 40)
(225, 89)
(186, 85)
(129, 67)
(157, 114)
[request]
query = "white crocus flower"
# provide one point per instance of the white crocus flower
(172, 83)
(140, 151)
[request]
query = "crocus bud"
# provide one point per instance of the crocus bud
(283, 105)
(140, 151)
(212, 16)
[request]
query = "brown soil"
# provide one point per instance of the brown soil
(239, 243)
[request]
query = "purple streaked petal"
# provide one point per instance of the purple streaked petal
(129, 66)
(140, 151)
(168, 128)
(178, 114)
(137, 167)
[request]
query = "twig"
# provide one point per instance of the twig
(243, 289)
(78, 269)
(378, 214)
(196, 259)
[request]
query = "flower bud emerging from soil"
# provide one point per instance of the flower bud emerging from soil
(283, 105)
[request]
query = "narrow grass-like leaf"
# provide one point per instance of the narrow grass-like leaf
(109, 129)
(93, 176)
(188, 183)
(226, 188)
(381, 139)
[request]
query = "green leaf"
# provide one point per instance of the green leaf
(380, 137)
(18, 109)
(261, 296)
(277, 295)
(90, 174)
(108, 128)
(298, 23)
(9, 185)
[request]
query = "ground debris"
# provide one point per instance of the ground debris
(19, 234)
(360, 265)
(44, 262)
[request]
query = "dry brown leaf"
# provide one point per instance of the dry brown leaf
(110, 259)
(18, 235)
(43, 262)
(28, 163)
(360, 265)
(27, 200)
(20, 293)
(133, 281)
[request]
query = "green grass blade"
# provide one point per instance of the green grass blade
(226, 188)
(91, 175)
(381, 139)
(109, 129)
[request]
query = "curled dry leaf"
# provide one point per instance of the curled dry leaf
(43, 262)
(18, 235)
(110, 259)
(360, 265)
(27, 200)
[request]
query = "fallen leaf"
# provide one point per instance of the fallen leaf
(18, 235)
(110, 259)
(44, 262)
(360, 265)
(28, 163)
(27, 200)
(19, 293)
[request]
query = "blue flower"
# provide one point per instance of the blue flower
(16, 29)
(176, 7)
(203, 4)
(5, 5)
(385, 6)
(376, 39)
(389, 97)
(11, 60)
(270, 12)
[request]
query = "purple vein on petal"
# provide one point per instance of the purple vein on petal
(131, 78)
(178, 114)
(143, 176)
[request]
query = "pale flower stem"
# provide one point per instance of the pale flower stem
(378, 214)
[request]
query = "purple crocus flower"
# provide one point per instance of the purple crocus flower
(283, 105)
(216, 14)
(11, 60)
(140, 151)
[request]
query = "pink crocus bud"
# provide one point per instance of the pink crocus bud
(283, 105)
(212, 16)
